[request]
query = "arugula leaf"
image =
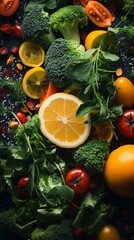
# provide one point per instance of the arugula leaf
(95, 75)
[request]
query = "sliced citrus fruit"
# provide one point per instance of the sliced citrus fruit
(35, 82)
(59, 123)
(31, 54)
(103, 131)
(92, 39)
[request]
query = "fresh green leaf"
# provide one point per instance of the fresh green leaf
(110, 56)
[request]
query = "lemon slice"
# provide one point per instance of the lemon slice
(31, 54)
(35, 82)
(92, 39)
(59, 123)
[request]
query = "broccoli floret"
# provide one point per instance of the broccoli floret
(92, 155)
(61, 231)
(13, 220)
(68, 20)
(36, 27)
(59, 55)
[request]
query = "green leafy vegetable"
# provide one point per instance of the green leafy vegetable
(93, 73)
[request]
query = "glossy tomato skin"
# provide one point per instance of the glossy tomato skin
(22, 117)
(78, 179)
(17, 30)
(6, 28)
(8, 8)
(109, 232)
(125, 123)
(22, 186)
(98, 14)
(79, 233)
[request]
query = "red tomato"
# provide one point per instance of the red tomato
(125, 123)
(17, 30)
(22, 185)
(3, 51)
(22, 117)
(14, 49)
(98, 14)
(78, 179)
(8, 8)
(79, 233)
(6, 28)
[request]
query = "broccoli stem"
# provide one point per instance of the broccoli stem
(71, 33)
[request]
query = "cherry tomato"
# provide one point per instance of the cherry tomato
(78, 179)
(98, 14)
(22, 117)
(79, 233)
(3, 51)
(6, 28)
(125, 123)
(8, 7)
(109, 232)
(17, 30)
(14, 49)
(22, 186)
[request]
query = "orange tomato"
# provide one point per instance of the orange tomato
(125, 91)
(98, 14)
(109, 232)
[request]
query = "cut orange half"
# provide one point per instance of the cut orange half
(59, 123)
(35, 82)
(31, 54)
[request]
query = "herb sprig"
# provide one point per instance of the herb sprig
(95, 74)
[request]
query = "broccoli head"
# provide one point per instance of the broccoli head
(92, 155)
(36, 27)
(17, 221)
(68, 20)
(59, 55)
(60, 231)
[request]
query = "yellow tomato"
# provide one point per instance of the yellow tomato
(109, 232)
(125, 91)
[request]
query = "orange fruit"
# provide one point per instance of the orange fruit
(103, 131)
(31, 54)
(119, 171)
(92, 39)
(35, 82)
(109, 232)
(59, 123)
(125, 91)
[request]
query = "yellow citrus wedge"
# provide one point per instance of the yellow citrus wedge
(59, 123)
(35, 82)
(92, 39)
(31, 54)
(103, 131)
